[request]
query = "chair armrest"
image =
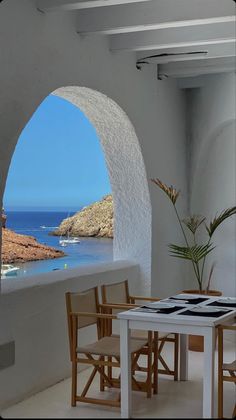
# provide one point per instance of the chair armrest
(117, 306)
(93, 315)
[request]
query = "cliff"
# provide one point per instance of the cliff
(23, 248)
(94, 220)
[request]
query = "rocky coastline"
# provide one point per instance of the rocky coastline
(95, 220)
(18, 248)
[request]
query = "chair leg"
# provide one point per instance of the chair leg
(155, 363)
(109, 369)
(102, 377)
(220, 374)
(74, 384)
(149, 365)
(176, 357)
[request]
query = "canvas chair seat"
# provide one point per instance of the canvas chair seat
(231, 367)
(143, 335)
(110, 346)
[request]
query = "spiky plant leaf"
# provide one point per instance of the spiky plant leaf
(193, 222)
(170, 191)
(219, 219)
(194, 253)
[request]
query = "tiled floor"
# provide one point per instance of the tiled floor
(174, 400)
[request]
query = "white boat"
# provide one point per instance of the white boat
(64, 242)
(9, 270)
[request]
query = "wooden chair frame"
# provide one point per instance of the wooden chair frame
(224, 368)
(150, 349)
(172, 337)
(102, 364)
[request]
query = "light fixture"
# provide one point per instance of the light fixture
(165, 58)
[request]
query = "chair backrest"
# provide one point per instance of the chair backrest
(116, 292)
(226, 370)
(86, 301)
(221, 329)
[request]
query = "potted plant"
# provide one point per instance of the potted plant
(193, 251)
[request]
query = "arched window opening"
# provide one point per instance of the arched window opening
(132, 236)
(58, 169)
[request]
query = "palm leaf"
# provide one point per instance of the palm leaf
(219, 219)
(194, 253)
(193, 222)
(170, 191)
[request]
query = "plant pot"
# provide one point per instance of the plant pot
(196, 342)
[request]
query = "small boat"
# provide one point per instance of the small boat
(9, 270)
(64, 242)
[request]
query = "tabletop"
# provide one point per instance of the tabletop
(185, 309)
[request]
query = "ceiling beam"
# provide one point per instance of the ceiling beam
(153, 15)
(193, 68)
(67, 5)
(214, 51)
(215, 33)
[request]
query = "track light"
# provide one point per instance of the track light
(165, 58)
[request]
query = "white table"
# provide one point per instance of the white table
(176, 323)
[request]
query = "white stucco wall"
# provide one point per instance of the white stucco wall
(41, 53)
(213, 170)
(48, 55)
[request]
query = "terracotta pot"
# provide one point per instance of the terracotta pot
(196, 342)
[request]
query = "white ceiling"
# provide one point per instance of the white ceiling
(175, 30)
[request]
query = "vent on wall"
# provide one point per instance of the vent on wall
(165, 58)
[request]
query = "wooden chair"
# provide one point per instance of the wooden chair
(118, 294)
(102, 354)
(226, 371)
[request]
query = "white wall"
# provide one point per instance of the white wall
(213, 170)
(33, 315)
(43, 52)
(39, 54)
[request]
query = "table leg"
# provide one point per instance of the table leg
(126, 403)
(208, 375)
(183, 357)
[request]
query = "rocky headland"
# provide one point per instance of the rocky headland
(94, 220)
(23, 248)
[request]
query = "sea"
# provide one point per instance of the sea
(40, 224)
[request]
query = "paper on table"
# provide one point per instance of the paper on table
(205, 309)
(158, 305)
(183, 296)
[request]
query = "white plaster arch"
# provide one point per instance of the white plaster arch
(132, 206)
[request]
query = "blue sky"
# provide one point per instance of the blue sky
(58, 163)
